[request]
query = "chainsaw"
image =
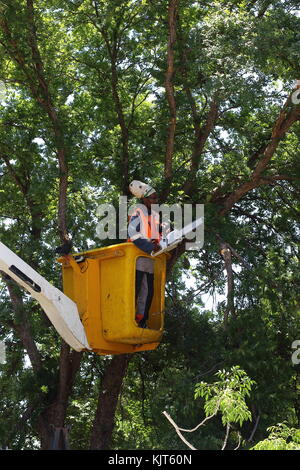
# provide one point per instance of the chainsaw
(175, 237)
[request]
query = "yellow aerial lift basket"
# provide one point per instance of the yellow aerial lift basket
(103, 287)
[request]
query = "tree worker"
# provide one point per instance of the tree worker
(144, 231)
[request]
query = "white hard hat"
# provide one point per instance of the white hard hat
(139, 189)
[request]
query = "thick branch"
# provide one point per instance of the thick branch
(22, 326)
(45, 99)
(12, 49)
(22, 186)
(169, 87)
(233, 251)
(288, 116)
(112, 47)
(201, 135)
(37, 84)
(123, 125)
(33, 207)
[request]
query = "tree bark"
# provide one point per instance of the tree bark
(45, 99)
(21, 324)
(55, 410)
(112, 47)
(23, 184)
(226, 255)
(123, 126)
(287, 117)
(36, 81)
(107, 402)
(201, 131)
(201, 135)
(54, 414)
(169, 87)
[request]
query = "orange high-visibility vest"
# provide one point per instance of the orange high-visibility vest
(149, 226)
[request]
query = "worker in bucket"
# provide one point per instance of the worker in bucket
(144, 231)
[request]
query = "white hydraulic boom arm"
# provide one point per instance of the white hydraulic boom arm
(60, 309)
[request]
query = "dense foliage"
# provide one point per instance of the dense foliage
(194, 98)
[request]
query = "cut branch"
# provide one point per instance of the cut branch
(234, 252)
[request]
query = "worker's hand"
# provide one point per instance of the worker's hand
(165, 226)
(156, 246)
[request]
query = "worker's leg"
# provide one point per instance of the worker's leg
(141, 291)
(150, 289)
(144, 296)
(143, 288)
(138, 282)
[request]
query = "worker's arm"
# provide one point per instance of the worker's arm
(144, 245)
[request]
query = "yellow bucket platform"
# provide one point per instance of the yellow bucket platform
(103, 287)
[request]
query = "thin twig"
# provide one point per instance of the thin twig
(226, 436)
(239, 443)
(254, 429)
(177, 429)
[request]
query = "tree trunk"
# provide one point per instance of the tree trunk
(107, 403)
(53, 417)
(169, 87)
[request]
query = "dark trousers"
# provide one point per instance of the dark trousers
(144, 289)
